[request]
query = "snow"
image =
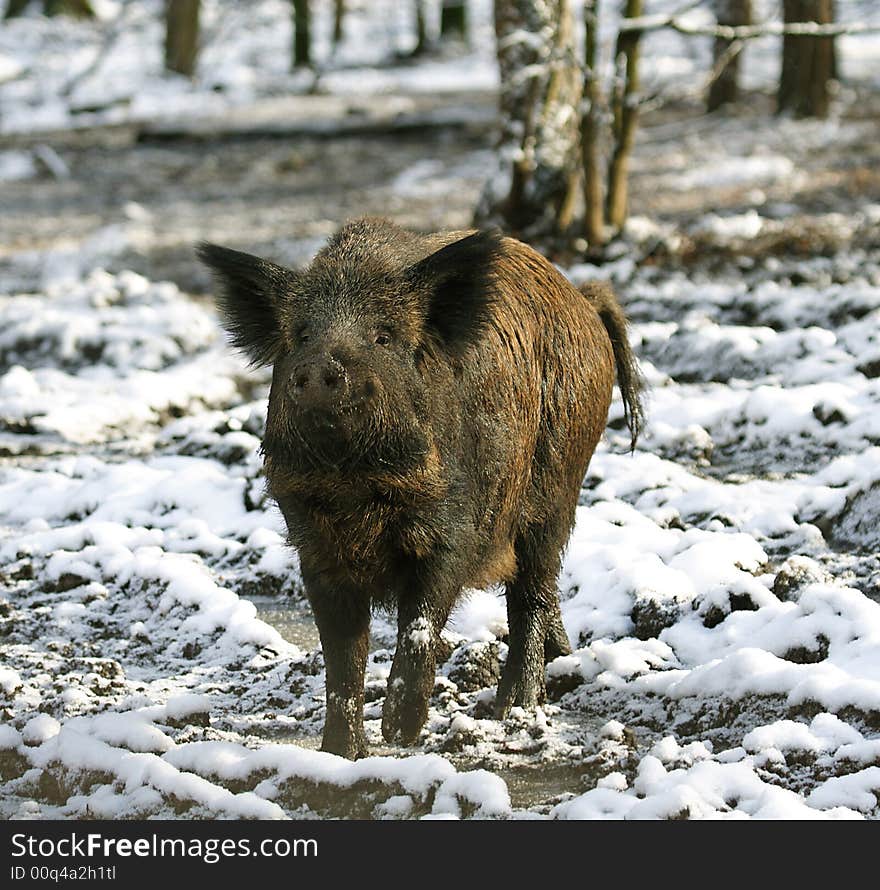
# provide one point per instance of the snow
(856, 791)
(181, 706)
(676, 586)
(16, 165)
(728, 228)
(679, 587)
(10, 681)
(40, 729)
(751, 170)
(9, 738)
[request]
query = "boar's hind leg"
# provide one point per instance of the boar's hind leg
(344, 625)
(536, 634)
(419, 622)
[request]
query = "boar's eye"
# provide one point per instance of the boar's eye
(383, 338)
(302, 336)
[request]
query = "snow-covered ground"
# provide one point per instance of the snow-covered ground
(727, 659)
(721, 587)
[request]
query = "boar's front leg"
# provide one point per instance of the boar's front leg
(343, 619)
(420, 619)
(535, 630)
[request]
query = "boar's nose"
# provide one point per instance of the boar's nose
(333, 376)
(312, 384)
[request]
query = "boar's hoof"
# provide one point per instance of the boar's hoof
(404, 713)
(344, 738)
(525, 690)
(556, 642)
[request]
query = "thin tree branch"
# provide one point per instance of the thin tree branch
(647, 23)
(109, 35)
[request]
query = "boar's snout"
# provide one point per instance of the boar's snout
(328, 386)
(321, 384)
(317, 379)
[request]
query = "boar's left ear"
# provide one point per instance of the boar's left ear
(250, 291)
(460, 284)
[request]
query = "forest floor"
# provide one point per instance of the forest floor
(722, 585)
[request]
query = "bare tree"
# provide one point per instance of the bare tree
(807, 62)
(338, 17)
(181, 35)
(538, 182)
(591, 126)
(551, 116)
(453, 20)
(421, 28)
(302, 40)
(726, 55)
(626, 112)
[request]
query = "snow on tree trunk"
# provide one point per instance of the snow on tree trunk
(538, 176)
(725, 86)
(807, 62)
(181, 35)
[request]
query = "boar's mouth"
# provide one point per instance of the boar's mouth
(326, 437)
(317, 438)
(348, 440)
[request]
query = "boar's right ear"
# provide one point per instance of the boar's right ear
(250, 291)
(459, 282)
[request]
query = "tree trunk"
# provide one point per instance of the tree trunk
(181, 35)
(626, 115)
(421, 28)
(808, 63)
(538, 176)
(833, 69)
(302, 53)
(15, 8)
(338, 16)
(453, 20)
(725, 87)
(594, 202)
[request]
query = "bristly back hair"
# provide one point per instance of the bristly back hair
(250, 290)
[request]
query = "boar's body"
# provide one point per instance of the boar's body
(434, 406)
(503, 439)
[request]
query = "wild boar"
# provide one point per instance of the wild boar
(435, 401)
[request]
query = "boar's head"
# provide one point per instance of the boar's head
(359, 341)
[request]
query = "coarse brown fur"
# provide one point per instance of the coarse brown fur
(434, 405)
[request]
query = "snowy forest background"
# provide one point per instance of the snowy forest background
(722, 585)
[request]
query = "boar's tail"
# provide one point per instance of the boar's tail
(629, 377)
